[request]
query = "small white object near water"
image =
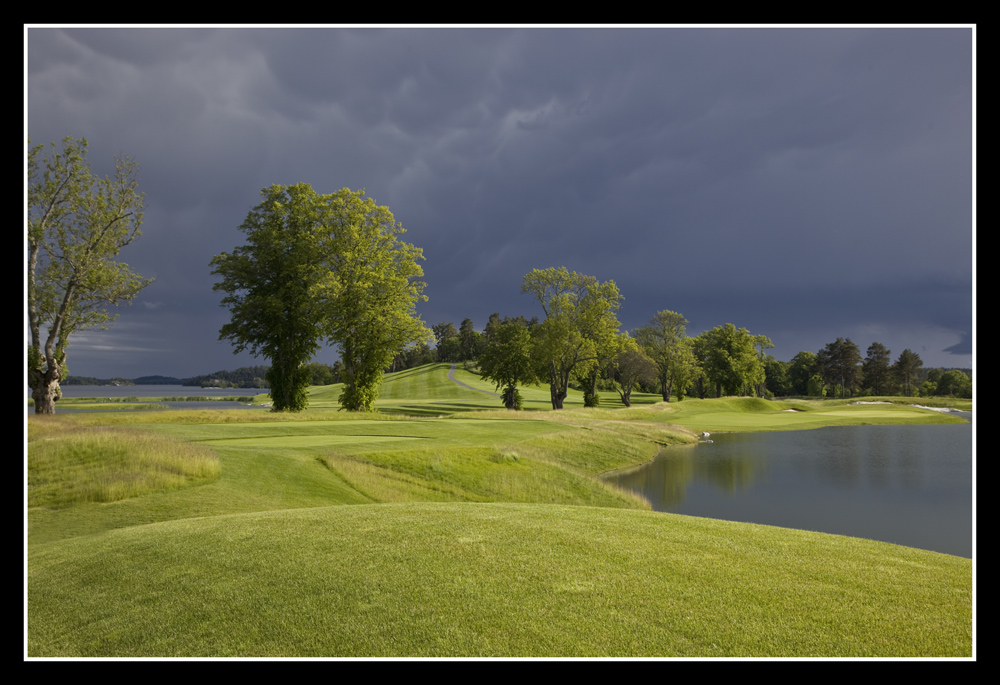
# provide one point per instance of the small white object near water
(705, 435)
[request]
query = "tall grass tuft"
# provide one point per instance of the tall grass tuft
(107, 465)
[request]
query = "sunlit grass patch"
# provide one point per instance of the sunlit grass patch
(67, 467)
(490, 580)
(749, 414)
(529, 472)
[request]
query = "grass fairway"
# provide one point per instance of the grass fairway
(444, 526)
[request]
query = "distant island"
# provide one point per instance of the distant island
(245, 377)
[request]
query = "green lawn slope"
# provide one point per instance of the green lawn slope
(444, 526)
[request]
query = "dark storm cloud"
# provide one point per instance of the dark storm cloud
(813, 182)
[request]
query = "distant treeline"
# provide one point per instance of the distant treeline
(245, 377)
(87, 380)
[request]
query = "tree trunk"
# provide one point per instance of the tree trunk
(508, 397)
(557, 396)
(43, 378)
(557, 387)
(45, 396)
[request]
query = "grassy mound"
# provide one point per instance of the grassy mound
(71, 466)
(490, 580)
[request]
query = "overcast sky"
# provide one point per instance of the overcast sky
(803, 183)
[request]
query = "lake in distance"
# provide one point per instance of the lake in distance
(909, 485)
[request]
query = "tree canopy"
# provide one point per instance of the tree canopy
(729, 358)
(840, 364)
(907, 367)
(77, 224)
(876, 367)
(506, 360)
(321, 268)
(663, 340)
(580, 326)
(631, 367)
(371, 294)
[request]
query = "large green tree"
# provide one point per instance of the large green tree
(580, 326)
(876, 367)
(630, 368)
(906, 368)
(471, 340)
(271, 284)
(730, 360)
(801, 369)
(321, 268)
(840, 364)
(506, 360)
(762, 342)
(77, 224)
(662, 339)
(371, 294)
(776, 373)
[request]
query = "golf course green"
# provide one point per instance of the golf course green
(445, 526)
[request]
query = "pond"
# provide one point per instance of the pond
(909, 485)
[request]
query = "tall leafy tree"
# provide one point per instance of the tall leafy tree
(631, 367)
(840, 364)
(443, 332)
(370, 293)
(762, 342)
(506, 360)
(471, 340)
(580, 325)
(729, 359)
(271, 284)
(491, 325)
(801, 369)
(77, 224)
(662, 339)
(776, 373)
(321, 268)
(876, 367)
(686, 369)
(447, 346)
(907, 366)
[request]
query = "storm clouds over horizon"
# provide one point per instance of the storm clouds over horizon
(803, 183)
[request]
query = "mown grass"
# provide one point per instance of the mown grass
(745, 414)
(442, 525)
(490, 580)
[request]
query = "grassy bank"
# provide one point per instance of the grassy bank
(444, 526)
(490, 580)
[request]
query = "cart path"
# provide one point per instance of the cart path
(451, 377)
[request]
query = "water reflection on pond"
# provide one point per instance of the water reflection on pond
(909, 485)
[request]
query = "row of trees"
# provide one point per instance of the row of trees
(579, 340)
(839, 369)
